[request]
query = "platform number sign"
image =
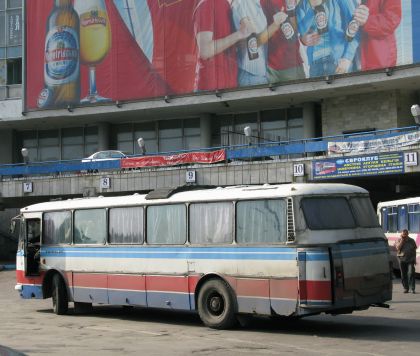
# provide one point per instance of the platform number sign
(410, 158)
(298, 170)
(27, 187)
(190, 177)
(105, 183)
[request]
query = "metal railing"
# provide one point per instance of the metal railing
(264, 149)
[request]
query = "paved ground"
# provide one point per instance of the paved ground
(30, 327)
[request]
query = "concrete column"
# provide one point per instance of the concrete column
(205, 130)
(103, 136)
(308, 120)
(6, 146)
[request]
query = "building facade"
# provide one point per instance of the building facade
(189, 74)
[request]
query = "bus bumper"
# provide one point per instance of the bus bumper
(29, 291)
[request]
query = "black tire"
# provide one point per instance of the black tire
(59, 295)
(216, 305)
(82, 308)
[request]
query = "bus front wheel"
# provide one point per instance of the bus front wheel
(216, 305)
(59, 295)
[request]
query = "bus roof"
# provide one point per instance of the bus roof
(399, 202)
(214, 194)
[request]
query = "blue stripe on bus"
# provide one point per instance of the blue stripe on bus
(175, 255)
(216, 253)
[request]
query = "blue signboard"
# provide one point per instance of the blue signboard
(358, 166)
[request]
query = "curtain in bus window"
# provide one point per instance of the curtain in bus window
(384, 220)
(363, 210)
(56, 228)
(414, 218)
(402, 217)
(90, 226)
(211, 223)
(166, 224)
(392, 219)
(261, 221)
(328, 213)
(126, 225)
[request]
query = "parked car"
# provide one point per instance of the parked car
(104, 155)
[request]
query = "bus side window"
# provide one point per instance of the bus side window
(414, 218)
(402, 217)
(392, 219)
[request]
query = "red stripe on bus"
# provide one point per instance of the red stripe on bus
(91, 280)
(253, 287)
(315, 290)
(284, 288)
(167, 283)
(22, 279)
(130, 282)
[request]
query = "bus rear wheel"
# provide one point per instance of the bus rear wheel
(59, 296)
(216, 305)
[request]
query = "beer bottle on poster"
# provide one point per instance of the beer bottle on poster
(291, 8)
(252, 46)
(62, 59)
(353, 26)
(321, 18)
(288, 30)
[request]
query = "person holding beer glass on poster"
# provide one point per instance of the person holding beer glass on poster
(95, 41)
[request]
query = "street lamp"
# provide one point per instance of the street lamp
(25, 154)
(415, 111)
(247, 132)
(142, 145)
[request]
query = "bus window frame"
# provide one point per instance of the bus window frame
(108, 242)
(146, 235)
(104, 242)
(284, 199)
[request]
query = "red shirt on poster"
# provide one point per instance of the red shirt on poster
(282, 54)
(378, 44)
(220, 71)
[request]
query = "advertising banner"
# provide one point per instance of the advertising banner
(388, 143)
(90, 52)
(358, 166)
(172, 160)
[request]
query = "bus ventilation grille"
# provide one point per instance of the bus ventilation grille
(290, 221)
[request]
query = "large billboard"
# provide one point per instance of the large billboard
(89, 52)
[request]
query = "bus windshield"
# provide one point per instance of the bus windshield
(339, 213)
(328, 213)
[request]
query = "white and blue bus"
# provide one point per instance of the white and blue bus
(274, 250)
(397, 215)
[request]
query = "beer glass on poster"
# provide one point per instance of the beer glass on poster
(95, 41)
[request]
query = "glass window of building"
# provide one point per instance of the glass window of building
(29, 140)
(124, 138)
(3, 72)
(91, 140)
(11, 30)
(14, 71)
(49, 145)
(192, 135)
(170, 135)
(148, 132)
(72, 143)
(274, 125)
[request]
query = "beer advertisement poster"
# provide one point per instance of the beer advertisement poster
(94, 52)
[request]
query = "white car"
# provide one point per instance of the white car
(104, 155)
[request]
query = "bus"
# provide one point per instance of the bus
(397, 215)
(272, 250)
